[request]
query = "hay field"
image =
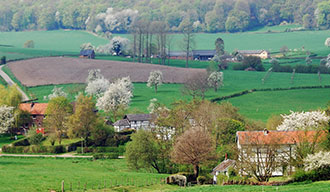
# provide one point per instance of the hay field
(62, 70)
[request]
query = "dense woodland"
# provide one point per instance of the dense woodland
(203, 15)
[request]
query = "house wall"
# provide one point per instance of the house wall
(139, 124)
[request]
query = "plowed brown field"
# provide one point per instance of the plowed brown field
(62, 70)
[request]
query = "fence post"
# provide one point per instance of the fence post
(70, 186)
(78, 185)
(62, 185)
(105, 184)
(85, 186)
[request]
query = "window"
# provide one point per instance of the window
(34, 116)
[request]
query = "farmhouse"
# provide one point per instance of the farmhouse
(87, 53)
(201, 55)
(37, 113)
(285, 141)
(133, 121)
(263, 54)
(222, 168)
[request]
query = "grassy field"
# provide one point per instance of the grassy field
(37, 174)
(258, 105)
(68, 42)
(261, 105)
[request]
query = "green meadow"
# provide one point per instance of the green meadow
(37, 174)
(256, 105)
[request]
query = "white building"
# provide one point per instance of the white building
(133, 121)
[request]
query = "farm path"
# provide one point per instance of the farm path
(63, 156)
(11, 82)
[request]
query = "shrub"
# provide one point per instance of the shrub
(3, 60)
(190, 176)
(221, 178)
(29, 44)
(35, 138)
(201, 180)
(33, 149)
(21, 142)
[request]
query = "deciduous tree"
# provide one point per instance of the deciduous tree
(81, 123)
(193, 147)
(215, 80)
(57, 112)
(196, 85)
(155, 79)
(6, 118)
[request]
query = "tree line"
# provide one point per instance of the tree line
(203, 15)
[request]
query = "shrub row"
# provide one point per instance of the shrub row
(267, 89)
(106, 156)
(34, 149)
(21, 142)
(120, 150)
(314, 175)
(301, 68)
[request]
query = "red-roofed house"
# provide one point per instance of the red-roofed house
(285, 142)
(37, 111)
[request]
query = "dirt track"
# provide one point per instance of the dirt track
(61, 70)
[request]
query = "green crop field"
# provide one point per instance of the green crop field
(68, 42)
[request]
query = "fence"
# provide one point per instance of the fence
(107, 184)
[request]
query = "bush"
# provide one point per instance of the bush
(21, 142)
(201, 180)
(190, 176)
(34, 149)
(118, 150)
(221, 178)
(34, 138)
(29, 44)
(253, 62)
(3, 60)
(313, 175)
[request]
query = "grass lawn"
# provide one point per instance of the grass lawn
(43, 174)
(6, 139)
(297, 187)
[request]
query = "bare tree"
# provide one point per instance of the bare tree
(188, 40)
(194, 147)
(196, 85)
(261, 157)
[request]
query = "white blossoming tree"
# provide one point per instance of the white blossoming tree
(327, 64)
(86, 46)
(152, 105)
(327, 42)
(6, 118)
(317, 161)
(94, 74)
(97, 87)
(115, 98)
(125, 82)
(155, 79)
(56, 92)
(215, 80)
(120, 45)
(303, 121)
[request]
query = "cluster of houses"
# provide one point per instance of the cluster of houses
(245, 139)
(200, 55)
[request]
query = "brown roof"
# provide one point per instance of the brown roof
(138, 117)
(34, 108)
(276, 137)
(122, 122)
(223, 166)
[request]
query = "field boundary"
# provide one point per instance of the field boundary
(267, 89)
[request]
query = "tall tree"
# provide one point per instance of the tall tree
(57, 112)
(82, 122)
(6, 118)
(155, 79)
(193, 147)
(188, 42)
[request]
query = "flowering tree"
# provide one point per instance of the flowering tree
(126, 83)
(119, 45)
(86, 46)
(327, 42)
(328, 62)
(57, 92)
(115, 98)
(303, 120)
(6, 118)
(97, 87)
(94, 74)
(215, 80)
(155, 79)
(317, 161)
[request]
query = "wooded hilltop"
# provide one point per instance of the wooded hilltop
(116, 16)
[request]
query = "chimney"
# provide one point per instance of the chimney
(266, 131)
(226, 157)
(32, 104)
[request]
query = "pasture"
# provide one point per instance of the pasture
(37, 174)
(65, 42)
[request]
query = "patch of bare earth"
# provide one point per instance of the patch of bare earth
(62, 70)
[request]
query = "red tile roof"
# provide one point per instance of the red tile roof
(277, 137)
(34, 108)
(223, 166)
